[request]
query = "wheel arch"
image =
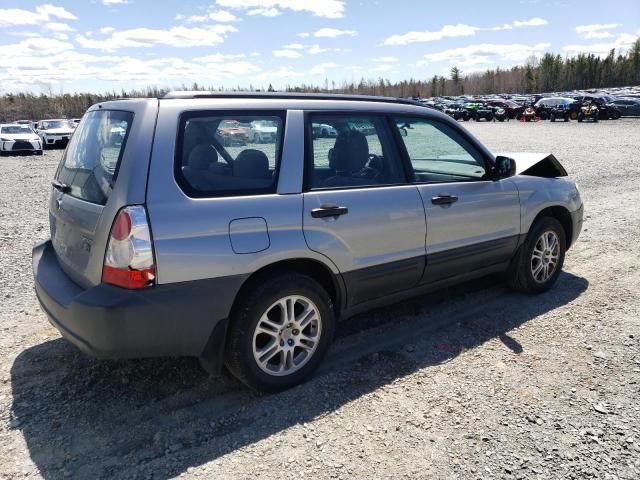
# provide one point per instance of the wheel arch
(561, 214)
(313, 268)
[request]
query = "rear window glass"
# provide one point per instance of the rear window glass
(90, 163)
(225, 155)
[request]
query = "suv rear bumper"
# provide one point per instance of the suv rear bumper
(109, 322)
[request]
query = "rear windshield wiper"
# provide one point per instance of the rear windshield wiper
(61, 187)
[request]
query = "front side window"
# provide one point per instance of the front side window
(90, 163)
(438, 153)
(225, 155)
(351, 151)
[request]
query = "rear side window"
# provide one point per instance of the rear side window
(350, 151)
(90, 163)
(229, 154)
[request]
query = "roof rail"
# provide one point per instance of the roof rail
(288, 96)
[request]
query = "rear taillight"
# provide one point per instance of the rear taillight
(128, 262)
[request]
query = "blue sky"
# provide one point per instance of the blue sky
(97, 45)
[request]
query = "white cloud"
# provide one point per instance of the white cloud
(622, 42)
(485, 54)
(384, 59)
(49, 63)
(286, 53)
(596, 31)
(41, 14)
(221, 16)
(219, 57)
(265, 12)
(334, 32)
(322, 68)
(107, 30)
(58, 27)
(459, 30)
(596, 27)
(319, 8)
(533, 22)
(114, 2)
(147, 37)
(316, 49)
(294, 46)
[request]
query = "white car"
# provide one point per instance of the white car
(19, 138)
(263, 131)
(55, 132)
(324, 131)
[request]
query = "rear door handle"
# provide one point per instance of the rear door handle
(444, 199)
(329, 210)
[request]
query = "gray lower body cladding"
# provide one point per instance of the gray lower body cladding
(110, 322)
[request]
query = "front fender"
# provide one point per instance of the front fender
(537, 194)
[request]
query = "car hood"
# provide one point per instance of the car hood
(31, 137)
(536, 164)
(58, 131)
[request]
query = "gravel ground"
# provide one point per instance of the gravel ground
(472, 382)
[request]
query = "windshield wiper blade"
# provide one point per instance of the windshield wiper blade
(61, 187)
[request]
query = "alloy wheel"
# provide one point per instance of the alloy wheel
(545, 256)
(287, 335)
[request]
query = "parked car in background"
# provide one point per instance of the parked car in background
(231, 132)
(607, 110)
(589, 111)
(560, 112)
(19, 138)
(457, 112)
(628, 107)
(529, 115)
(324, 131)
(544, 106)
(253, 269)
(511, 108)
(500, 114)
(483, 112)
(263, 131)
(54, 133)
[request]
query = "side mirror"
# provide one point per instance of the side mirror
(505, 167)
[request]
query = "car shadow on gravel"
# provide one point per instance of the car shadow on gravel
(85, 418)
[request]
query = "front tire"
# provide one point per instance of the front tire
(279, 332)
(537, 264)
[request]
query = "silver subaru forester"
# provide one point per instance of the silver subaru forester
(176, 230)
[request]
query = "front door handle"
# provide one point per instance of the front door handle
(444, 199)
(329, 210)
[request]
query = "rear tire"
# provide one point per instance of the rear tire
(261, 332)
(536, 265)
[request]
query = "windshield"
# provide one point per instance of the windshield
(16, 130)
(55, 124)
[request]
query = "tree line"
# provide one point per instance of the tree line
(546, 74)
